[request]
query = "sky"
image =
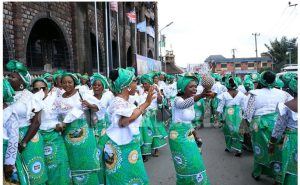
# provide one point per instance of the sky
(201, 28)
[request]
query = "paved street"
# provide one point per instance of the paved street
(222, 168)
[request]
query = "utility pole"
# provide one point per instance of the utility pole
(255, 35)
(233, 52)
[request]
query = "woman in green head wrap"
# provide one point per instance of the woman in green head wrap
(99, 84)
(10, 133)
(56, 157)
(75, 112)
(49, 78)
(184, 141)
(122, 154)
(261, 115)
(287, 127)
(153, 130)
(27, 107)
(279, 83)
(231, 105)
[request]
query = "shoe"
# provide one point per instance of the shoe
(239, 154)
(255, 178)
(226, 150)
(155, 154)
(145, 159)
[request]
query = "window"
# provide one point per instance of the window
(264, 64)
(237, 65)
(223, 65)
(251, 65)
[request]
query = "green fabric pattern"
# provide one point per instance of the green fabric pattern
(279, 83)
(21, 69)
(231, 128)
(289, 169)
(187, 159)
(293, 85)
(32, 158)
(119, 159)
(199, 107)
(147, 131)
(101, 78)
(261, 129)
(56, 158)
(73, 76)
(124, 80)
(80, 141)
(160, 134)
(8, 92)
(147, 78)
(184, 81)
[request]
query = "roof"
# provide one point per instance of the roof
(254, 59)
(172, 68)
(214, 57)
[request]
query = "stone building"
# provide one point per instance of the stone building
(52, 35)
(241, 66)
(169, 65)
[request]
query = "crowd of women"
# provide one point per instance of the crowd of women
(68, 128)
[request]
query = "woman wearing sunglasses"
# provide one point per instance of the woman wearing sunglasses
(56, 158)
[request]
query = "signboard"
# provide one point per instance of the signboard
(202, 68)
(146, 65)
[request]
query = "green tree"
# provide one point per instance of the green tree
(279, 50)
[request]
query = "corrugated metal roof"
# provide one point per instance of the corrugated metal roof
(227, 60)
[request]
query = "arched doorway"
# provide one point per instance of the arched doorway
(94, 54)
(150, 54)
(129, 57)
(115, 54)
(46, 45)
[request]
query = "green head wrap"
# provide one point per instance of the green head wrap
(255, 77)
(39, 79)
(147, 78)
(101, 78)
(263, 82)
(293, 85)
(228, 85)
(170, 77)
(238, 80)
(279, 83)
(131, 69)
(287, 77)
(185, 80)
(8, 92)
(85, 77)
(247, 77)
(58, 73)
(47, 75)
(18, 67)
(124, 80)
(248, 84)
(73, 76)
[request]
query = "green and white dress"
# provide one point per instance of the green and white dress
(232, 107)
(122, 154)
(80, 139)
(217, 88)
(286, 127)
(55, 152)
(153, 131)
(261, 113)
(186, 155)
(32, 166)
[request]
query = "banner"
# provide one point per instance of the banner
(146, 65)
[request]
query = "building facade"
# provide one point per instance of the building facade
(222, 65)
(62, 35)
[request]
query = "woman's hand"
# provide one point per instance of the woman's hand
(86, 104)
(8, 170)
(150, 96)
(271, 148)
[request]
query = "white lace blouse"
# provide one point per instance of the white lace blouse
(117, 109)
(10, 133)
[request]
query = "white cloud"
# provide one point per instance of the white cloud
(203, 28)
